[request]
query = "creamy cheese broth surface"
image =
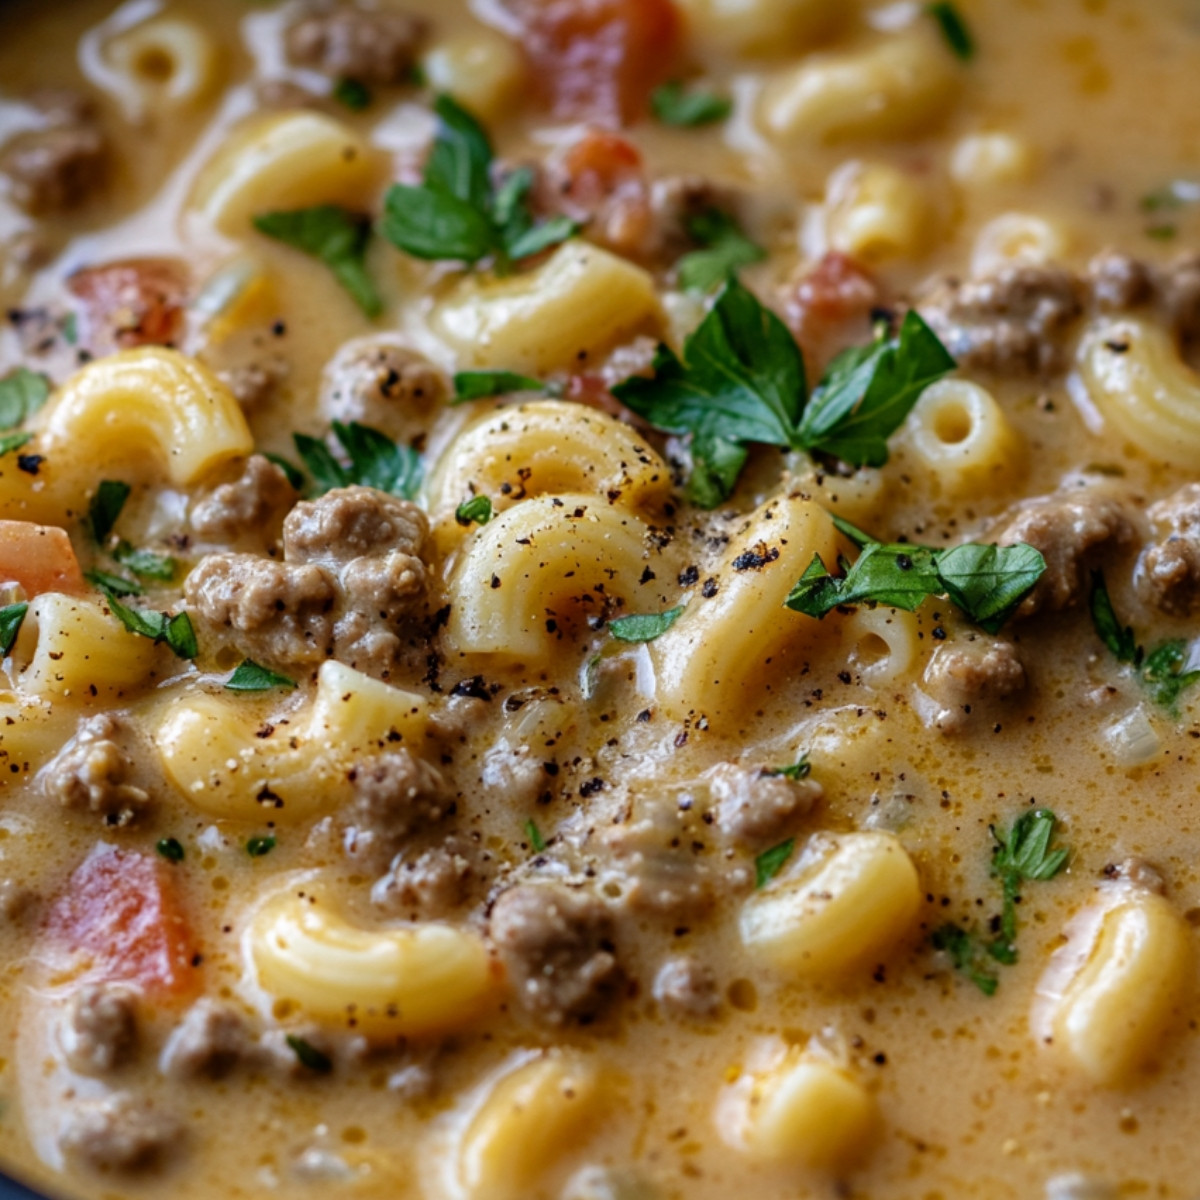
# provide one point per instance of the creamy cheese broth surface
(443, 803)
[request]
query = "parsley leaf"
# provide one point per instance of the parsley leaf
(105, 507)
(966, 953)
(987, 583)
(954, 28)
(294, 475)
(118, 585)
(1164, 676)
(673, 104)
(309, 1056)
(1121, 641)
(1021, 854)
(375, 461)
(477, 509)
(11, 616)
(352, 94)
(723, 249)
(742, 380)
(250, 677)
(798, 770)
(22, 393)
(456, 213)
(257, 847)
(176, 631)
(14, 441)
(644, 627)
(337, 237)
(770, 862)
(534, 834)
(170, 849)
(481, 385)
(868, 391)
(145, 562)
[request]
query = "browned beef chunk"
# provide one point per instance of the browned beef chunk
(118, 1133)
(1070, 528)
(965, 675)
(558, 948)
(378, 47)
(396, 796)
(1014, 322)
(754, 807)
(384, 384)
(100, 1031)
(428, 883)
(210, 1041)
(250, 505)
(95, 772)
(1168, 576)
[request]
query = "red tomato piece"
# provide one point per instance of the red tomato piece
(599, 166)
(830, 308)
(598, 60)
(137, 302)
(38, 557)
(121, 918)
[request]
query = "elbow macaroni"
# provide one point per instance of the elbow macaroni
(578, 303)
(482, 70)
(848, 901)
(874, 211)
(209, 747)
(416, 981)
(1136, 378)
(163, 63)
(1018, 239)
(754, 27)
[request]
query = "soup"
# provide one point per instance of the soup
(598, 599)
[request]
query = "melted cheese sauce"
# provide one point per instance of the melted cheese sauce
(1100, 96)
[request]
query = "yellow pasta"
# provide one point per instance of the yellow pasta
(849, 901)
(893, 87)
(1139, 382)
(414, 981)
(210, 747)
(577, 304)
(883, 645)
(719, 656)
(874, 211)
(527, 577)
(480, 69)
(167, 63)
(982, 160)
(759, 27)
(283, 161)
(1018, 239)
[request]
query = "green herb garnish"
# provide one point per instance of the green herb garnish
(1023, 854)
(145, 562)
(724, 249)
(337, 237)
(968, 954)
(22, 393)
(954, 29)
(534, 834)
(249, 676)
(673, 104)
(117, 585)
(294, 475)
(256, 847)
(770, 862)
(477, 509)
(11, 616)
(176, 631)
(458, 212)
(352, 94)
(170, 849)
(105, 507)
(480, 385)
(644, 627)
(1120, 640)
(14, 441)
(309, 1056)
(798, 770)
(375, 461)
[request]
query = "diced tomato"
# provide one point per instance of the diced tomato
(121, 919)
(38, 557)
(598, 166)
(598, 60)
(831, 307)
(136, 302)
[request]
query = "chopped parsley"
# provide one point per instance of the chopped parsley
(724, 248)
(22, 393)
(170, 849)
(741, 380)
(770, 862)
(257, 847)
(1161, 670)
(459, 212)
(352, 94)
(11, 616)
(644, 627)
(673, 104)
(309, 1056)
(335, 236)
(249, 676)
(294, 475)
(374, 460)
(175, 630)
(105, 507)
(481, 385)
(478, 509)
(798, 770)
(118, 585)
(987, 583)
(967, 953)
(534, 834)
(954, 28)
(145, 562)
(14, 441)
